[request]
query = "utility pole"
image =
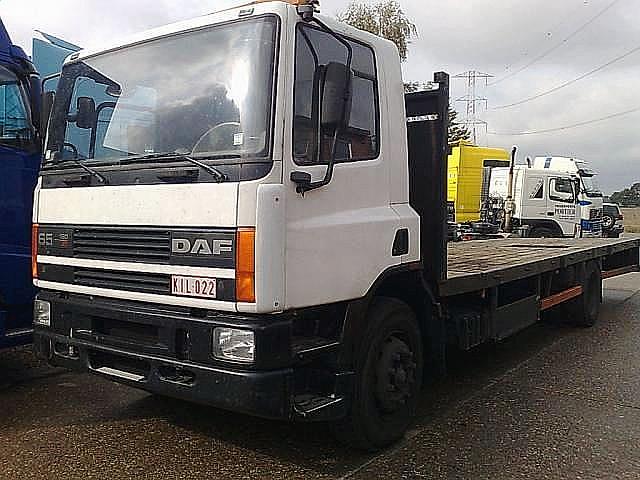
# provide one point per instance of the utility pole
(471, 100)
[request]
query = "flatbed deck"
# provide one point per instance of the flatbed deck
(483, 264)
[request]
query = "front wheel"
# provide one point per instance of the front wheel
(388, 368)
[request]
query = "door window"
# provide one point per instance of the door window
(562, 190)
(315, 49)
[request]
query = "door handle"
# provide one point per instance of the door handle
(551, 214)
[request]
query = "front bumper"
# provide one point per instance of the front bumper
(168, 352)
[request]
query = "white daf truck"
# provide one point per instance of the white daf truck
(545, 202)
(244, 210)
(590, 198)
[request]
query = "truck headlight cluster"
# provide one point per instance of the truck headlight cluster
(233, 344)
(42, 313)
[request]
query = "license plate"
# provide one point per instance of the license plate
(193, 286)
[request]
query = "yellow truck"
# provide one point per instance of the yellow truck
(466, 165)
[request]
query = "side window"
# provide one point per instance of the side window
(14, 121)
(314, 50)
(561, 190)
(537, 192)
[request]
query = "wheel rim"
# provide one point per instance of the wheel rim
(395, 375)
(607, 222)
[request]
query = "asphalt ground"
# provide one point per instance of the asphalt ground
(551, 402)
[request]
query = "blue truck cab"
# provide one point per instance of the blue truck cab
(20, 148)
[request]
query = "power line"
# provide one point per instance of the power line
(567, 127)
(551, 30)
(556, 47)
(570, 82)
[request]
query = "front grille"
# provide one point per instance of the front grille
(116, 280)
(130, 244)
(155, 283)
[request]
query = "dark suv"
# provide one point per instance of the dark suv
(612, 221)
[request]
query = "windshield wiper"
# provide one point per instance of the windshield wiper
(217, 174)
(101, 178)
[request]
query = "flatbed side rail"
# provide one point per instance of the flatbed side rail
(615, 272)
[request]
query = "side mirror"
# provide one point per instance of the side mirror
(36, 100)
(47, 106)
(86, 116)
(336, 96)
(335, 109)
(302, 181)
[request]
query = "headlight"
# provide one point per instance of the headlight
(233, 344)
(42, 313)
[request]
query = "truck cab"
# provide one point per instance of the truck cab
(590, 197)
(469, 168)
(19, 164)
(545, 202)
(237, 181)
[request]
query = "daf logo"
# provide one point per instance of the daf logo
(200, 246)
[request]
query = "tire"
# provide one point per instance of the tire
(607, 222)
(584, 310)
(389, 370)
(542, 232)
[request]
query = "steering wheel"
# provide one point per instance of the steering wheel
(73, 148)
(220, 138)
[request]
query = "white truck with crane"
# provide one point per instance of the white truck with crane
(259, 224)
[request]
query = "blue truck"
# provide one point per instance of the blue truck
(22, 82)
(20, 146)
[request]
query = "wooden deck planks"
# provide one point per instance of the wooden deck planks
(485, 263)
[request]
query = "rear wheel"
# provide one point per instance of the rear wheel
(584, 310)
(388, 378)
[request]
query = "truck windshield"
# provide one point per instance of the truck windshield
(15, 125)
(205, 93)
(591, 186)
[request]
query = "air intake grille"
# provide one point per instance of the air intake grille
(137, 245)
(116, 280)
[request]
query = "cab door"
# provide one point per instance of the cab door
(562, 205)
(19, 164)
(340, 237)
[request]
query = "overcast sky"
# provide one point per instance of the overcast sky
(498, 37)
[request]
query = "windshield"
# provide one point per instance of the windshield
(15, 125)
(591, 187)
(206, 93)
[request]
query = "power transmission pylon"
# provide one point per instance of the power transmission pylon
(471, 100)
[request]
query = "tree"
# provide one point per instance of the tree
(385, 19)
(629, 197)
(457, 131)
